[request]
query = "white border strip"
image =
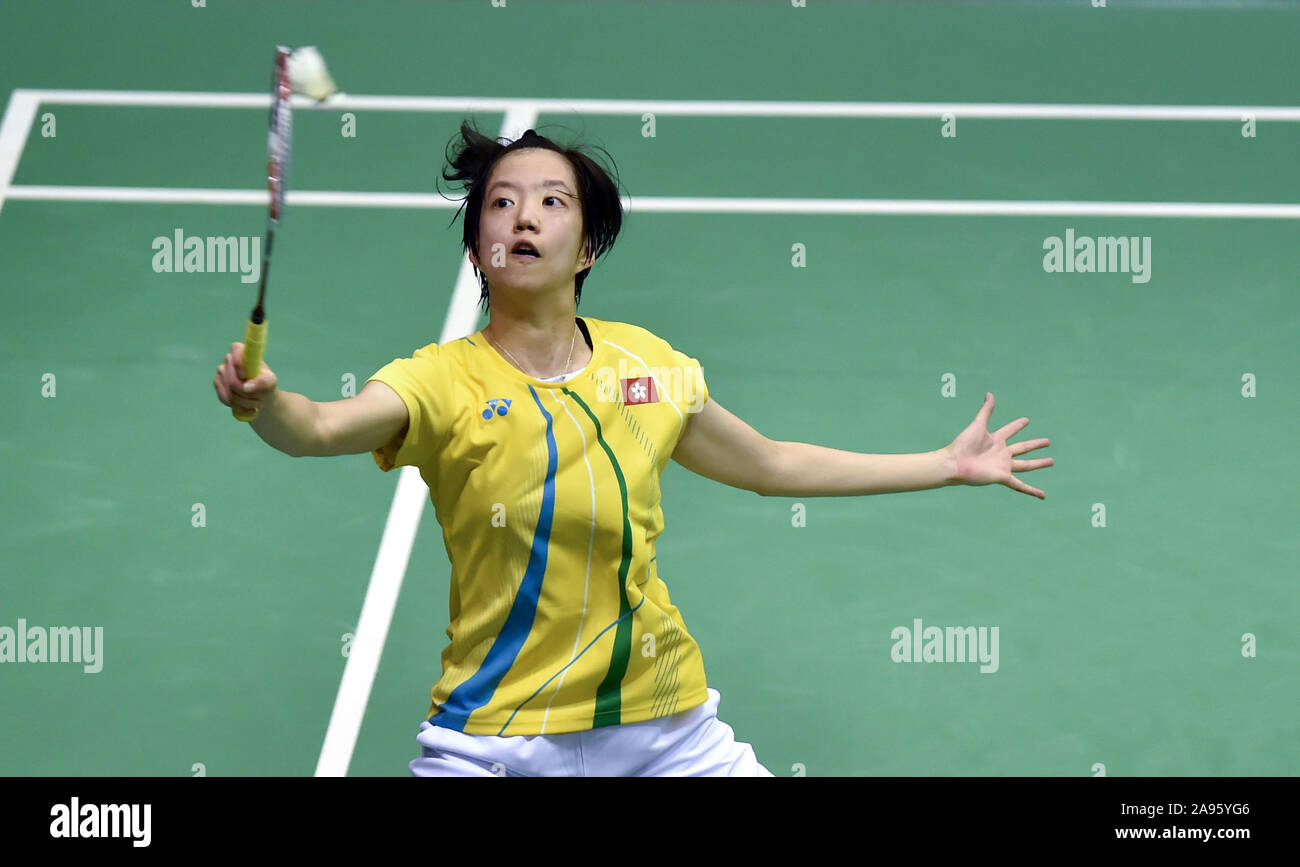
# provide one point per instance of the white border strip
(399, 537)
(671, 205)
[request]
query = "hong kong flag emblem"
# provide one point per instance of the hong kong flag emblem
(639, 390)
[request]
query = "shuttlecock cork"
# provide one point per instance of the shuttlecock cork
(308, 75)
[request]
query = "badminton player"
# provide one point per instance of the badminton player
(542, 439)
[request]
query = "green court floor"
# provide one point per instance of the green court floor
(1160, 641)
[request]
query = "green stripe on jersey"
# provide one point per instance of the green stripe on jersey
(609, 694)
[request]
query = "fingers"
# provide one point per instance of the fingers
(231, 393)
(1017, 485)
(1010, 429)
(226, 394)
(1005, 433)
(1028, 445)
(232, 389)
(1022, 466)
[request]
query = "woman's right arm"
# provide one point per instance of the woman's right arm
(359, 424)
(301, 427)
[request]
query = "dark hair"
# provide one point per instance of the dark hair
(471, 157)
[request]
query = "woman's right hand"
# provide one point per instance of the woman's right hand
(234, 391)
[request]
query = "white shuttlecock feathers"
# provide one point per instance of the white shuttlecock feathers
(308, 75)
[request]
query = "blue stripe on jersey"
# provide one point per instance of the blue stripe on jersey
(477, 690)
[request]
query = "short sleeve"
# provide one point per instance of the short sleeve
(695, 391)
(423, 382)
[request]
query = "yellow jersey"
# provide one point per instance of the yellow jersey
(549, 502)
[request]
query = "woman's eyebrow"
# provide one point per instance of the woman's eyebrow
(512, 185)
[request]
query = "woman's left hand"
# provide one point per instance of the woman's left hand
(981, 458)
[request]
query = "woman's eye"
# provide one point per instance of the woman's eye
(497, 202)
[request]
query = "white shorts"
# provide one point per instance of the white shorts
(693, 743)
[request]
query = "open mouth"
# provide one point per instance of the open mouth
(526, 251)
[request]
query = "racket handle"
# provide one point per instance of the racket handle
(254, 349)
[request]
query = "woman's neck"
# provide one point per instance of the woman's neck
(541, 342)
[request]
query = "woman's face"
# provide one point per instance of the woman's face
(531, 198)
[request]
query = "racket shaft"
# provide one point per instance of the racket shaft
(254, 350)
(278, 147)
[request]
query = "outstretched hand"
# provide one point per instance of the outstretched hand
(983, 458)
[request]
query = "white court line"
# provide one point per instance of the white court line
(684, 107)
(24, 102)
(696, 205)
(14, 129)
(198, 196)
(966, 207)
(398, 539)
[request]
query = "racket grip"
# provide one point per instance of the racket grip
(254, 349)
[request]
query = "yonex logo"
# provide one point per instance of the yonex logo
(500, 404)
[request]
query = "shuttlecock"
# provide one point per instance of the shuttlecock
(308, 75)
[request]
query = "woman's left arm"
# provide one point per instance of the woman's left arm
(722, 447)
